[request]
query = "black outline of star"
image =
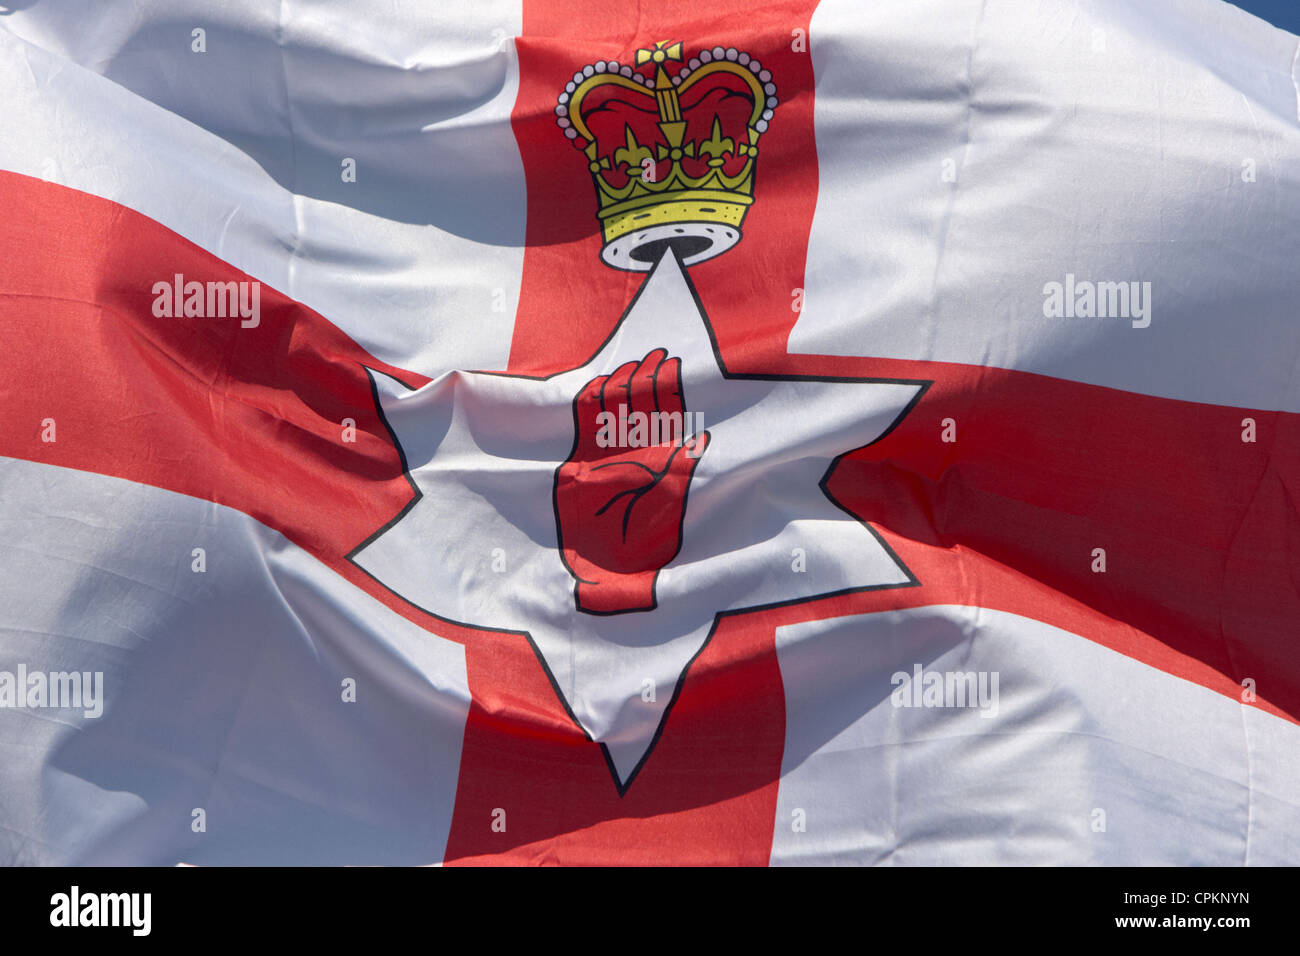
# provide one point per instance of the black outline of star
(912, 580)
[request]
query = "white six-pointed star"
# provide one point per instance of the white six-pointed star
(478, 543)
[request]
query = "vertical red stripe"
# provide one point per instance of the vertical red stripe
(708, 792)
(569, 300)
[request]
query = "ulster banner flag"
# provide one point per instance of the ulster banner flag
(537, 431)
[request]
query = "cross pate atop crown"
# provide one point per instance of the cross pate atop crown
(672, 157)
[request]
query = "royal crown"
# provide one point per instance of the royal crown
(673, 158)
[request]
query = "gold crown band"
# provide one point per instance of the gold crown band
(724, 211)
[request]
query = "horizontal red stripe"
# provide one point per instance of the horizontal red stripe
(1200, 529)
(251, 418)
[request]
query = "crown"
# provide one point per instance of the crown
(673, 158)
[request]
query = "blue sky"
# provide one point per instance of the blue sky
(1282, 13)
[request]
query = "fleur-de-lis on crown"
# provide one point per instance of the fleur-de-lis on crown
(634, 154)
(717, 144)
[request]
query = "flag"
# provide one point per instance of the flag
(537, 432)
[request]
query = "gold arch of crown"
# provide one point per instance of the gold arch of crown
(666, 92)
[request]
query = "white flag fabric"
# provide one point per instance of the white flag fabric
(796, 433)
